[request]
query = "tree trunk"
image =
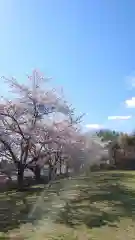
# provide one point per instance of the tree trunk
(20, 176)
(67, 169)
(38, 173)
(60, 166)
(50, 172)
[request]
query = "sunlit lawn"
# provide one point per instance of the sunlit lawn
(100, 206)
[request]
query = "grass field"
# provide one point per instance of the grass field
(99, 206)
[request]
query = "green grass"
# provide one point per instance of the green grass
(99, 206)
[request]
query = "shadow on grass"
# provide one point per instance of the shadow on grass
(15, 207)
(102, 199)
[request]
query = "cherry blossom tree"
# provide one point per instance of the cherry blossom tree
(66, 136)
(38, 123)
(35, 119)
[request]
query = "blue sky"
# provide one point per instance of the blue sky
(88, 47)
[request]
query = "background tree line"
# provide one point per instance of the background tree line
(121, 147)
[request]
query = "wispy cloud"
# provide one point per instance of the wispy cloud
(119, 117)
(94, 126)
(130, 81)
(133, 81)
(130, 103)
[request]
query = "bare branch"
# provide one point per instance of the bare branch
(9, 149)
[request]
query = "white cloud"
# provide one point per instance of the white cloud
(119, 117)
(94, 126)
(130, 103)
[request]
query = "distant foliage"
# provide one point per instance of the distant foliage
(123, 151)
(108, 135)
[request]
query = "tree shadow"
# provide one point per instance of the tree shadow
(103, 200)
(15, 207)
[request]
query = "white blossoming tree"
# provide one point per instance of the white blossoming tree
(33, 121)
(38, 122)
